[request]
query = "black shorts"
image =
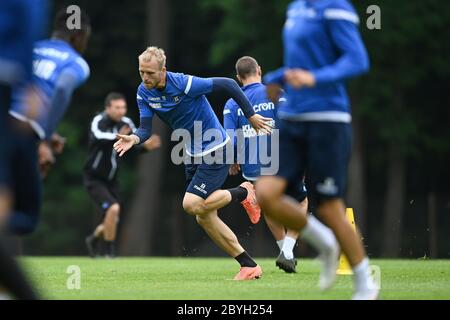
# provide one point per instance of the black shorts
(103, 193)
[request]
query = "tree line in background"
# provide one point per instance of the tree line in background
(398, 180)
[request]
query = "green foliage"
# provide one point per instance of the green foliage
(407, 62)
(248, 27)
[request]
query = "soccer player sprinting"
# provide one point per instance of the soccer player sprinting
(322, 48)
(21, 24)
(249, 74)
(101, 168)
(179, 100)
(58, 69)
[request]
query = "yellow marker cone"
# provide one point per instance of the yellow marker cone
(344, 265)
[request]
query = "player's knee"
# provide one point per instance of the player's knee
(193, 207)
(266, 194)
(114, 210)
(201, 220)
(327, 208)
(188, 206)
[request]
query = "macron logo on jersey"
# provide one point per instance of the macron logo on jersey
(259, 107)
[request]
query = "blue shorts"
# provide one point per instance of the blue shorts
(318, 150)
(5, 102)
(24, 178)
(203, 179)
(296, 191)
(19, 168)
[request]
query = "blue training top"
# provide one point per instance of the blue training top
(321, 36)
(22, 22)
(54, 61)
(182, 105)
(235, 121)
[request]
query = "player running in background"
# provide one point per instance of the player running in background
(22, 22)
(58, 70)
(322, 48)
(179, 100)
(249, 74)
(100, 170)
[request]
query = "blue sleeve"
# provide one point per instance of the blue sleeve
(230, 123)
(146, 116)
(229, 116)
(230, 87)
(80, 69)
(27, 38)
(65, 85)
(21, 22)
(73, 75)
(343, 27)
(145, 129)
(40, 11)
(191, 85)
(276, 76)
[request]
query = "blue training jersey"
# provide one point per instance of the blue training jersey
(182, 105)
(22, 22)
(50, 58)
(321, 36)
(234, 119)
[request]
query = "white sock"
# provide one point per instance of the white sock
(361, 278)
(280, 244)
(318, 235)
(288, 247)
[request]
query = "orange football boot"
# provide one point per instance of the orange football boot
(249, 273)
(250, 204)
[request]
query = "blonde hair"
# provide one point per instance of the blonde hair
(155, 52)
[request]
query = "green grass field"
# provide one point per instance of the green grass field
(210, 278)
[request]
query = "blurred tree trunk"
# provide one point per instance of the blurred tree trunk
(394, 203)
(139, 233)
(177, 226)
(432, 225)
(395, 180)
(356, 193)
